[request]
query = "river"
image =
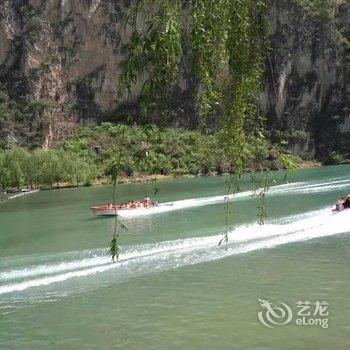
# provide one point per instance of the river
(173, 287)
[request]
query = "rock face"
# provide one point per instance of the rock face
(65, 54)
(307, 86)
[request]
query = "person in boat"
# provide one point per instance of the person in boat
(147, 202)
(338, 207)
(346, 204)
(340, 204)
(132, 205)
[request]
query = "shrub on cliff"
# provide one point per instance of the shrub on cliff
(335, 159)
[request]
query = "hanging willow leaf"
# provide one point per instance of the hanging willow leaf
(115, 168)
(153, 53)
(114, 249)
(227, 48)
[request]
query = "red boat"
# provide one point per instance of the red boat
(105, 209)
(112, 209)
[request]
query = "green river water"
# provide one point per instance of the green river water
(173, 287)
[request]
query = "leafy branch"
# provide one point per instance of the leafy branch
(228, 41)
(114, 249)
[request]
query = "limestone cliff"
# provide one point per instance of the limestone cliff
(307, 86)
(61, 57)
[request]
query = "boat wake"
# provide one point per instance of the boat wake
(6, 197)
(46, 277)
(290, 189)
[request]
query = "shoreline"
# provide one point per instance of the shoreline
(138, 178)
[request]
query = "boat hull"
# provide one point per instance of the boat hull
(111, 211)
(104, 211)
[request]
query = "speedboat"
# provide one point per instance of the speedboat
(113, 209)
(105, 209)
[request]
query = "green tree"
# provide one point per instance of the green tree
(52, 169)
(15, 162)
(29, 167)
(78, 169)
(32, 168)
(4, 171)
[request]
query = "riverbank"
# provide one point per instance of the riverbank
(148, 178)
(92, 155)
(138, 178)
(135, 178)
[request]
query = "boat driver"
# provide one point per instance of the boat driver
(346, 204)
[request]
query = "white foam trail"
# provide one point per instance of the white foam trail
(290, 188)
(49, 269)
(172, 254)
(318, 189)
(196, 202)
(21, 194)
